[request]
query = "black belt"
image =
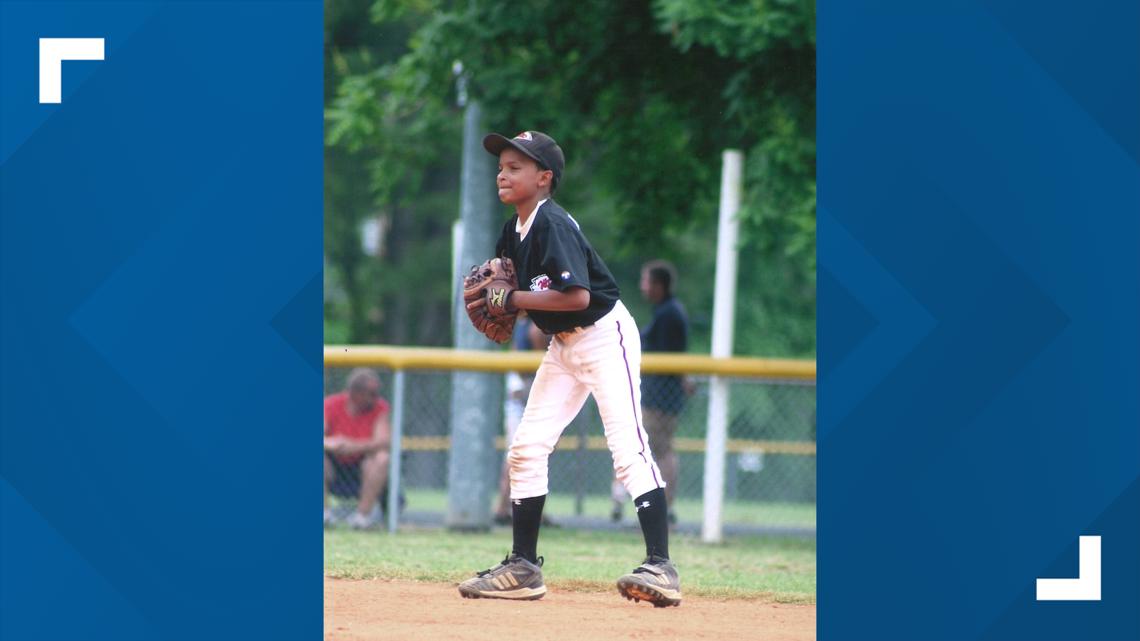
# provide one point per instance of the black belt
(575, 330)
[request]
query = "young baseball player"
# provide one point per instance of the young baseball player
(569, 293)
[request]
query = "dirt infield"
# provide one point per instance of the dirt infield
(360, 610)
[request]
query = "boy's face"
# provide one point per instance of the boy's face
(520, 178)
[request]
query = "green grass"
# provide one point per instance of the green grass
(776, 569)
(688, 510)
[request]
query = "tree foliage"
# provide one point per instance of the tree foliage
(643, 97)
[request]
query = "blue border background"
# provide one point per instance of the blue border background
(161, 268)
(979, 313)
(160, 254)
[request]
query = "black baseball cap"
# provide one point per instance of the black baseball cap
(540, 147)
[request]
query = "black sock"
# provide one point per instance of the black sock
(526, 516)
(653, 514)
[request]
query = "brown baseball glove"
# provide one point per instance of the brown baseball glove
(492, 282)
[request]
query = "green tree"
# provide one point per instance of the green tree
(642, 96)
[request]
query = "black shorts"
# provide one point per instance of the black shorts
(347, 479)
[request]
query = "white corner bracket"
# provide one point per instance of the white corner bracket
(1086, 587)
(53, 51)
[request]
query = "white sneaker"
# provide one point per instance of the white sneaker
(358, 521)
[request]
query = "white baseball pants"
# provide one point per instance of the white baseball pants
(604, 360)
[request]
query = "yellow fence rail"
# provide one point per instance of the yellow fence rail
(405, 358)
(598, 443)
(402, 359)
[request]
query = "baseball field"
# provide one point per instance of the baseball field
(380, 586)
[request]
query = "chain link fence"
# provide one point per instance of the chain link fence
(770, 467)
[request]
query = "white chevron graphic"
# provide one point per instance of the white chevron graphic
(1086, 587)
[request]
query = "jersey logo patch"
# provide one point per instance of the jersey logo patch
(540, 283)
(524, 136)
(565, 275)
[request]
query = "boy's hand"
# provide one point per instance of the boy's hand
(497, 298)
(486, 291)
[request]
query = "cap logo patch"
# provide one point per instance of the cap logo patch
(524, 136)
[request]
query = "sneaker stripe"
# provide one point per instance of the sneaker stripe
(512, 579)
(518, 593)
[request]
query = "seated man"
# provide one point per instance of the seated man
(357, 436)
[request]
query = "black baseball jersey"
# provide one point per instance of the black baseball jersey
(555, 255)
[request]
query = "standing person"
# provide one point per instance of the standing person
(357, 437)
(568, 292)
(662, 397)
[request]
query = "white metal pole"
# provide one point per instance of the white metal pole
(724, 305)
(395, 450)
(457, 315)
(472, 477)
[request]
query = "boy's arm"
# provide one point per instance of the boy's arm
(572, 300)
